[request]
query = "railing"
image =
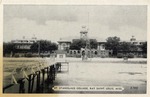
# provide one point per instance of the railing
(33, 78)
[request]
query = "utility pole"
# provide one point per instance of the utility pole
(39, 48)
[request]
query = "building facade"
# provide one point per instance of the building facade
(24, 44)
(100, 51)
(138, 52)
(64, 44)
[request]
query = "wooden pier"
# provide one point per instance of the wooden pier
(32, 79)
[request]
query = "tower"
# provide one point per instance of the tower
(83, 33)
(87, 49)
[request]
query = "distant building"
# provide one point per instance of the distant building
(64, 44)
(61, 55)
(24, 44)
(99, 52)
(138, 44)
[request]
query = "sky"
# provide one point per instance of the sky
(52, 22)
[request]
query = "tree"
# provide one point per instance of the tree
(133, 47)
(127, 47)
(77, 44)
(113, 44)
(124, 46)
(43, 45)
(52, 47)
(93, 43)
(144, 47)
(8, 48)
(34, 47)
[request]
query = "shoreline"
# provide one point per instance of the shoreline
(71, 59)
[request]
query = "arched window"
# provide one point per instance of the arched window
(78, 51)
(83, 53)
(74, 52)
(95, 52)
(70, 52)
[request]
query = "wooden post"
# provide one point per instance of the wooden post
(47, 70)
(32, 82)
(43, 78)
(38, 82)
(60, 66)
(48, 74)
(7, 87)
(29, 83)
(21, 87)
(51, 74)
(54, 74)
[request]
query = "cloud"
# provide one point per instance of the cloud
(55, 22)
(116, 16)
(16, 28)
(40, 14)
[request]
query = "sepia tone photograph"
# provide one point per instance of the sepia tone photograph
(74, 49)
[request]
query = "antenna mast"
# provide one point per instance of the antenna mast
(88, 22)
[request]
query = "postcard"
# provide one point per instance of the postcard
(75, 48)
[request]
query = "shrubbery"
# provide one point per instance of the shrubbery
(144, 55)
(28, 55)
(16, 55)
(44, 55)
(102, 56)
(130, 55)
(78, 56)
(120, 55)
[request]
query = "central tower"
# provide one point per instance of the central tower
(86, 52)
(83, 33)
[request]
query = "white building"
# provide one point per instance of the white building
(24, 43)
(64, 44)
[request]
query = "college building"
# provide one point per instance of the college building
(100, 51)
(24, 45)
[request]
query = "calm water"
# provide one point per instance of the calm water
(130, 75)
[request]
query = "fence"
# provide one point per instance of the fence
(32, 79)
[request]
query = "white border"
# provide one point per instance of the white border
(76, 2)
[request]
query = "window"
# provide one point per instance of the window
(63, 44)
(60, 56)
(83, 53)
(95, 52)
(70, 52)
(78, 51)
(67, 51)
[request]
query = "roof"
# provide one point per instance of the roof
(83, 32)
(100, 40)
(61, 52)
(133, 41)
(64, 41)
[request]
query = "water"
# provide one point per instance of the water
(132, 77)
(131, 74)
